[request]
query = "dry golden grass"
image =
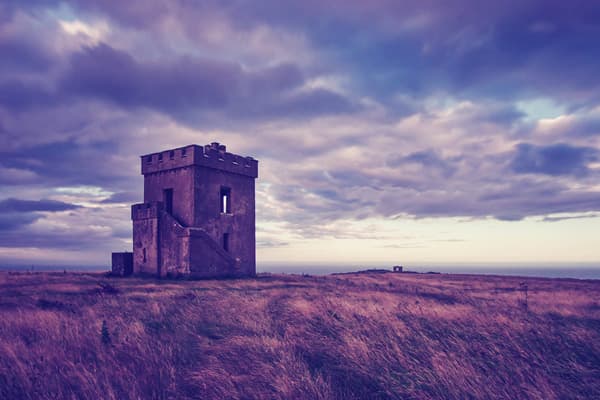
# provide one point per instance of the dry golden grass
(354, 336)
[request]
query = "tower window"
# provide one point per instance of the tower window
(144, 254)
(183, 153)
(149, 159)
(168, 199)
(225, 200)
(226, 241)
(160, 157)
(172, 154)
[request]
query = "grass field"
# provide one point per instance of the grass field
(352, 336)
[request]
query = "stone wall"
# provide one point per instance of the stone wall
(239, 224)
(145, 238)
(122, 263)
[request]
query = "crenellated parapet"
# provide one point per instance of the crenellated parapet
(213, 155)
(150, 210)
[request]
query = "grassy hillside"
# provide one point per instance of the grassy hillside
(355, 336)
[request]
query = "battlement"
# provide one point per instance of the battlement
(213, 155)
(150, 210)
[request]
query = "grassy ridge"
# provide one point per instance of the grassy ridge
(355, 336)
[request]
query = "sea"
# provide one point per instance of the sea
(543, 270)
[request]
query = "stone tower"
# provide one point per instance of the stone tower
(198, 214)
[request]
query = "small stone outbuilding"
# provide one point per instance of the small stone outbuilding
(122, 263)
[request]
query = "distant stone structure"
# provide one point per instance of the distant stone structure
(198, 215)
(397, 268)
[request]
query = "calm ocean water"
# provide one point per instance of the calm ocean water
(577, 271)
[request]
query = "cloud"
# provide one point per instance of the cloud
(26, 206)
(16, 214)
(271, 243)
(583, 123)
(20, 96)
(22, 55)
(374, 110)
(426, 158)
(13, 221)
(189, 85)
(122, 197)
(555, 159)
(51, 224)
(569, 217)
(68, 163)
(14, 176)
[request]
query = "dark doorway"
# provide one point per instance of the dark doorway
(168, 199)
(225, 200)
(226, 241)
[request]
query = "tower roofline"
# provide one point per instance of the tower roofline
(212, 155)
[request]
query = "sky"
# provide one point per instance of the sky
(392, 132)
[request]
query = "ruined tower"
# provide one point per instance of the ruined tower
(198, 214)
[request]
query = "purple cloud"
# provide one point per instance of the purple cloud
(20, 55)
(190, 86)
(356, 110)
(555, 159)
(123, 197)
(26, 206)
(63, 163)
(426, 158)
(15, 214)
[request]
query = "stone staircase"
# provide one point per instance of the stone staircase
(182, 231)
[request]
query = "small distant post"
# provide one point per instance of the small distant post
(397, 268)
(524, 289)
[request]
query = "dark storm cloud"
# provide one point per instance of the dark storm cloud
(591, 128)
(16, 214)
(555, 159)
(23, 237)
(190, 85)
(470, 48)
(22, 55)
(10, 222)
(314, 102)
(25, 206)
(51, 224)
(67, 163)
(17, 95)
(104, 72)
(425, 158)
(586, 126)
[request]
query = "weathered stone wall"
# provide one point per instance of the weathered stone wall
(207, 259)
(174, 254)
(181, 180)
(145, 238)
(239, 224)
